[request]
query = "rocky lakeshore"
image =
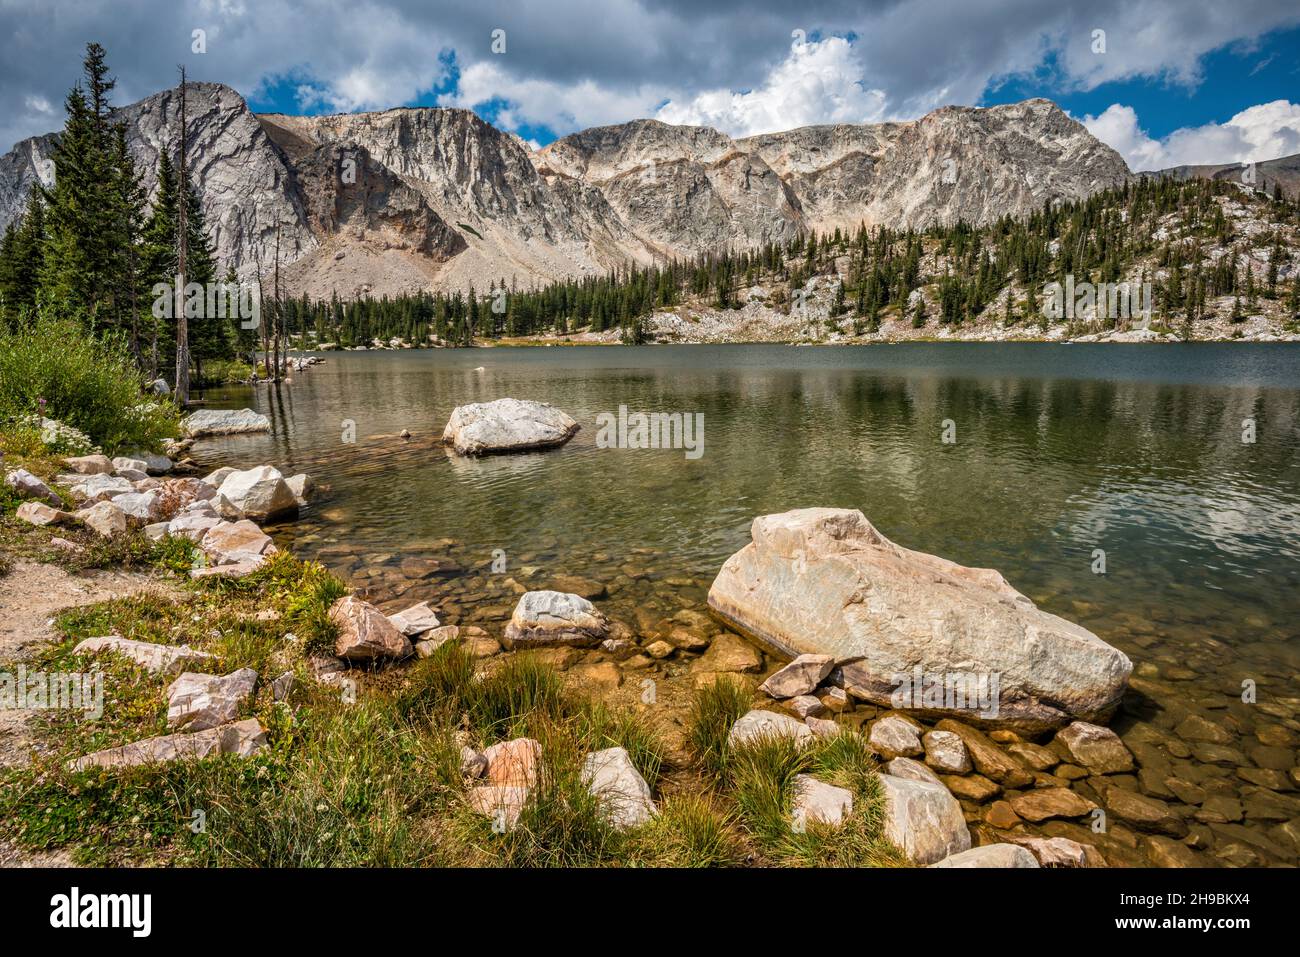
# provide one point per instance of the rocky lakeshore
(1077, 766)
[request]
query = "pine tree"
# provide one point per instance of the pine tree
(79, 269)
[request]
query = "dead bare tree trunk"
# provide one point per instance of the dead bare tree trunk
(182, 254)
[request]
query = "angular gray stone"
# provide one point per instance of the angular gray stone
(28, 486)
(415, 620)
(946, 752)
(258, 493)
(200, 701)
(104, 518)
(923, 819)
(758, 724)
(89, 464)
(821, 803)
(892, 737)
(624, 795)
(168, 659)
(990, 855)
(799, 677)
(912, 770)
(242, 738)
(365, 633)
(507, 425)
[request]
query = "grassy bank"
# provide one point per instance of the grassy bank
(371, 775)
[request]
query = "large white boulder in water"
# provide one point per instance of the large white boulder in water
(224, 422)
(507, 425)
(824, 581)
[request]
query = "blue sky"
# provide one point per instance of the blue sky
(1178, 81)
(1236, 76)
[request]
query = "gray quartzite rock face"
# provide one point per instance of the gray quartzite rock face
(507, 425)
(595, 199)
(825, 581)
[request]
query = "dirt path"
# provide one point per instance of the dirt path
(30, 596)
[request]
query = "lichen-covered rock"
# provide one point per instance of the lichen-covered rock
(824, 581)
(507, 425)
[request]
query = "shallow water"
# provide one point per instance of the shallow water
(1059, 450)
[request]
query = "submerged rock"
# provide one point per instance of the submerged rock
(507, 425)
(555, 618)
(824, 581)
(224, 422)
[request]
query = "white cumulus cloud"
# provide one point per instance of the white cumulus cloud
(1261, 132)
(818, 82)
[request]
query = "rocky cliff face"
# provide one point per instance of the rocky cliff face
(373, 203)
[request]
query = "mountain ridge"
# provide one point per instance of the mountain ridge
(412, 198)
